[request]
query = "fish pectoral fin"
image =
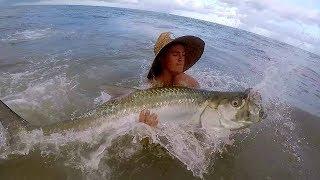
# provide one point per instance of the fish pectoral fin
(230, 124)
(197, 116)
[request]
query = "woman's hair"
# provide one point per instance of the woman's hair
(157, 68)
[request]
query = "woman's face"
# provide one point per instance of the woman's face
(175, 59)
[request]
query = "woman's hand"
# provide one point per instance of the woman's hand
(149, 119)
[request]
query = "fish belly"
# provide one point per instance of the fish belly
(176, 113)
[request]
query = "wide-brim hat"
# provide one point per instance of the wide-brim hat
(193, 45)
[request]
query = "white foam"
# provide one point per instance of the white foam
(47, 101)
(28, 35)
(104, 97)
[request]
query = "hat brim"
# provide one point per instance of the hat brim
(194, 47)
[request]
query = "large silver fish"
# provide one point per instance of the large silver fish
(230, 110)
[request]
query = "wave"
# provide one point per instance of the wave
(26, 35)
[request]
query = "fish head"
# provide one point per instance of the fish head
(236, 110)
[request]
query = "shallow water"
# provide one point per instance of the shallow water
(54, 61)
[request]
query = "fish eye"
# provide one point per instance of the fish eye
(235, 103)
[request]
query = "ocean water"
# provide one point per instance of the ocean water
(55, 61)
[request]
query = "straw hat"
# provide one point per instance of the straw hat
(194, 47)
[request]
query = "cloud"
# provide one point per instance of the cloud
(287, 22)
(296, 22)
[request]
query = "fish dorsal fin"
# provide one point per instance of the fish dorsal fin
(116, 91)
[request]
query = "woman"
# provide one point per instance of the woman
(173, 58)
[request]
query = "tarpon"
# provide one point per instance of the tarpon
(230, 110)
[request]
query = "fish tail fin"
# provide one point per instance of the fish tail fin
(11, 121)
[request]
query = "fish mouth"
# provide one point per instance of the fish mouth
(257, 115)
(247, 123)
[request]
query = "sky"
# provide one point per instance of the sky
(296, 22)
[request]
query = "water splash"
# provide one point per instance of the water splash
(275, 89)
